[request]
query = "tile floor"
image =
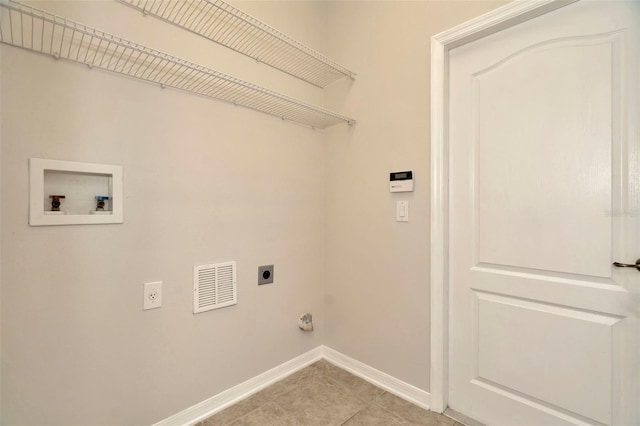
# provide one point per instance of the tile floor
(325, 395)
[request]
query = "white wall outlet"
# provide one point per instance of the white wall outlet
(152, 295)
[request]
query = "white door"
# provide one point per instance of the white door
(544, 170)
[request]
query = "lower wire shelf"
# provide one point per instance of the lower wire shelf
(40, 31)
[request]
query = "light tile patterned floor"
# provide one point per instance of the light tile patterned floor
(325, 395)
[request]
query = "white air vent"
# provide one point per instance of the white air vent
(214, 286)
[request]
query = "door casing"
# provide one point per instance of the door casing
(490, 23)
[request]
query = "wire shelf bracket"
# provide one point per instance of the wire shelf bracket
(42, 32)
(224, 24)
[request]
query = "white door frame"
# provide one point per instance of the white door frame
(492, 22)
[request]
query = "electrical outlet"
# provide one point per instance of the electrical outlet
(152, 295)
(265, 274)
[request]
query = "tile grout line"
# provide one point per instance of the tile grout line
(398, 416)
(355, 414)
(333, 376)
(295, 386)
(287, 411)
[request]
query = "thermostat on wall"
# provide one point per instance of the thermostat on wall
(401, 181)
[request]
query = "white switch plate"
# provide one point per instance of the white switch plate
(152, 295)
(402, 211)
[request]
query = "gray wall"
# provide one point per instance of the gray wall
(1, 362)
(377, 282)
(206, 182)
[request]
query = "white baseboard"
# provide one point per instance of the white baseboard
(219, 402)
(389, 383)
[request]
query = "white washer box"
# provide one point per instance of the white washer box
(80, 183)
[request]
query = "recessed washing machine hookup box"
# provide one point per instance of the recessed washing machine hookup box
(73, 193)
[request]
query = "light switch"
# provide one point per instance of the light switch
(402, 211)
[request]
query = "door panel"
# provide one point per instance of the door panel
(541, 185)
(511, 333)
(544, 193)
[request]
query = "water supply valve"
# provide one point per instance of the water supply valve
(101, 202)
(55, 202)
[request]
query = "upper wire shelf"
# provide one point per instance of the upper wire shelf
(222, 23)
(40, 31)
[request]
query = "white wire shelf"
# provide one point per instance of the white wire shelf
(40, 31)
(222, 23)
